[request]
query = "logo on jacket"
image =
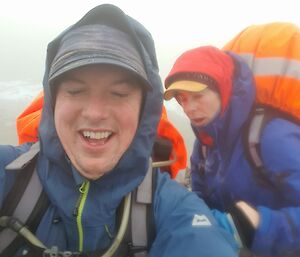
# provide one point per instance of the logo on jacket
(200, 220)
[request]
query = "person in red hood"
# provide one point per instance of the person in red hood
(216, 90)
(201, 82)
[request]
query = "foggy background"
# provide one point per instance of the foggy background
(26, 27)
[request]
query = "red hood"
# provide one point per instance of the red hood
(210, 61)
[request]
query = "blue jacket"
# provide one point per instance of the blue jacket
(229, 177)
(177, 233)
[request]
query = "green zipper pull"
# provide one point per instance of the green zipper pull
(82, 189)
(78, 210)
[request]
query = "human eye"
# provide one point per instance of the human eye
(75, 91)
(72, 89)
(198, 96)
(179, 98)
(72, 86)
(119, 93)
(125, 86)
(122, 90)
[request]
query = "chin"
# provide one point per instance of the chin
(92, 176)
(199, 125)
(93, 173)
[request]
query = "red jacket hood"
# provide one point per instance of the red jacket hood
(208, 60)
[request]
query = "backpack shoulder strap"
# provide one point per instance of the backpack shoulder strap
(26, 200)
(253, 131)
(24, 159)
(30, 207)
(142, 216)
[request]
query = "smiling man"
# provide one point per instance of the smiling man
(96, 116)
(102, 104)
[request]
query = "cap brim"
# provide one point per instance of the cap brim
(183, 85)
(82, 60)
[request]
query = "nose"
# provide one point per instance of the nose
(189, 106)
(96, 109)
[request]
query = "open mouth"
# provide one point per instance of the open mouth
(96, 137)
(198, 121)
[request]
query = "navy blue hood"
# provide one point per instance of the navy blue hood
(133, 165)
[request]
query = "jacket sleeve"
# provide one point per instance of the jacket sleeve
(278, 233)
(185, 226)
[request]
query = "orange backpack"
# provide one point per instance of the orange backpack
(272, 52)
(169, 143)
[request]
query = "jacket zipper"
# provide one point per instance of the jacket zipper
(83, 190)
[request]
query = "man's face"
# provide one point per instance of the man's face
(96, 116)
(200, 107)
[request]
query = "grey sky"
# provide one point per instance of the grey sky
(27, 26)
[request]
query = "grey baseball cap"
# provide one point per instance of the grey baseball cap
(97, 44)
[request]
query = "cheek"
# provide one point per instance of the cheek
(213, 104)
(129, 117)
(216, 103)
(63, 114)
(58, 110)
(59, 118)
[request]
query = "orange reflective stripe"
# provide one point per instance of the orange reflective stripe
(272, 66)
(272, 51)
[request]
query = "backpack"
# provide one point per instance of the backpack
(26, 204)
(272, 51)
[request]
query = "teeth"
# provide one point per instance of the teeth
(96, 135)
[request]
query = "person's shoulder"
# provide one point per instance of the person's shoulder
(9, 152)
(280, 130)
(280, 141)
(170, 195)
(167, 187)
